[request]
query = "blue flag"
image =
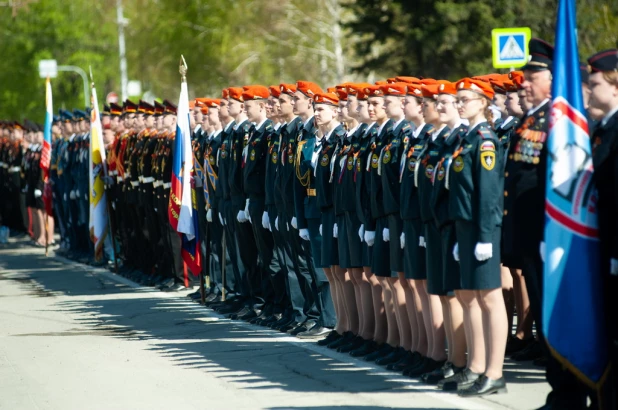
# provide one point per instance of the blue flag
(573, 320)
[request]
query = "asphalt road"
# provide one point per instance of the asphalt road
(76, 337)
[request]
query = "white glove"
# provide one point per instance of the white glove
(304, 234)
(402, 240)
(37, 193)
(294, 223)
(197, 181)
(335, 231)
(209, 215)
(386, 235)
(321, 230)
(65, 196)
(613, 270)
(542, 251)
(247, 215)
(483, 251)
(456, 252)
(221, 219)
(72, 194)
(241, 217)
(370, 237)
(265, 220)
(421, 242)
(361, 232)
(76, 194)
(277, 223)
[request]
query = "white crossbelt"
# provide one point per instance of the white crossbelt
(15, 169)
(147, 180)
(167, 185)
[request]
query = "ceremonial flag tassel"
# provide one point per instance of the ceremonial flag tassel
(573, 321)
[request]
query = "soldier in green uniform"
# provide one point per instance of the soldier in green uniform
(475, 184)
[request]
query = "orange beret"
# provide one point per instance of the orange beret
(342, 94)
(287, 88)
(235, 93)
(373, 91)
(409, 80)
(396, 89)
(326, 98)
(517, 77)
(213, 103)
(331, 89)
(274, 91)
(225, 93)
(204, 109)
(414, 90)
(509, 85)
(498, 85)
(446, 87)
(308, 88)
(430, 90)
(381, 82)
(355, 88)
(487, 77)
(191, 104)
(478, 86)
(428, 81)
(391, 80)
(255, 92)
(361, 95)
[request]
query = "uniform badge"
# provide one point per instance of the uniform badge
(488, 159)
(441, 173)
(291, 158)
(374, 161)
(324, 161)
(211, 159)
(429, 171)
(358, 166)
(488, 146)
(411, 164)
(350, 163)
(386, 158)
(252, 155)
(223, 154)
(458, 164)
(273, 157)
(234, 155)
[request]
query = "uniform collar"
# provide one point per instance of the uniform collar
(237, 126)
(417, 132)
(228, 125)
(261, 124)
(306, 123)
(538, 107)
(608, 116)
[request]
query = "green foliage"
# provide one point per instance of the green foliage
(451, 39)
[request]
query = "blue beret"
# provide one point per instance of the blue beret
(65, 115)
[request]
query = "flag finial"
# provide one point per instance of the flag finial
(183, 69)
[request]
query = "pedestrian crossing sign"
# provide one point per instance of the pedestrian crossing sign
(510, 47)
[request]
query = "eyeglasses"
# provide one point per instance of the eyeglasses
(464, 101)
(445, 103)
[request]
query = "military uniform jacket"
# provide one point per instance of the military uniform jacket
(410, 206)
(389, 166)
(255, 159)
(303, 182)
(224, 159)
(211, 150)
(505, 132)
(525, 175)
(375, 196)
(324, 168)
(239, 144)
(345, 183)
(338, 167)
(286, 170)
(362, 159)
(438, 202)
(270, 168)
(475, 181)
(83, 181)
(146, 163)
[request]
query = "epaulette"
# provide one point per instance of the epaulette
(486, 134)
(269, 127)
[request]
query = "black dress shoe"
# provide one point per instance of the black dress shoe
(441, 373)
(368, 347)
(347, 338)
(351, 345)
(459, 381)
(428, 365)
(285, 320)
(393, 357)
(316, 332)
(289, 326)
(303, 327)
(331, 337)
(271, 319)
(515, 344)
(248, 316)
(533, 351)
(240, 312)
(409, 359)
(383, 350)
(228, 308)
(484, 386)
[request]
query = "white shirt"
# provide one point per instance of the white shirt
(398, 122)
(352, 131)
(381, 127)
(507, 121)
(228, 125)
(418, 130)
(259, 126)
(239, 124)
